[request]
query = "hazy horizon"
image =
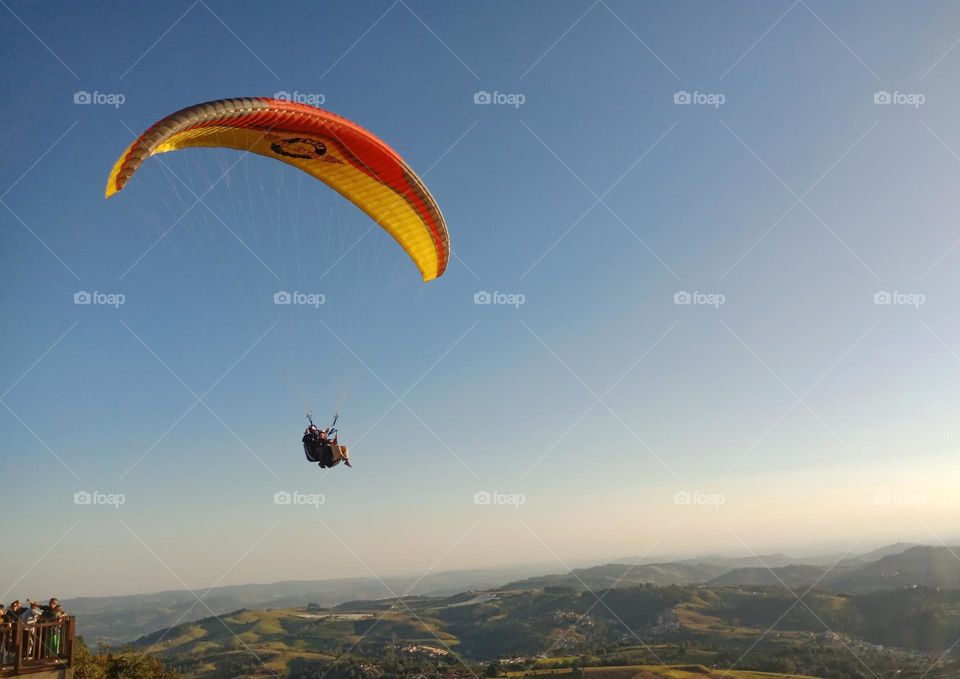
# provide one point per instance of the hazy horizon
(835, 550)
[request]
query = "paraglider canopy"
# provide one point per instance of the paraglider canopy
(338, 152)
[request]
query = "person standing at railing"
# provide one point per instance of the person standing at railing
(13, 613)
(29, 618)
(53, 604)
(48, 613)
(11, 616)
(52, 636)
(6, 636)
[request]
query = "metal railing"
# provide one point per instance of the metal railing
(40, 647)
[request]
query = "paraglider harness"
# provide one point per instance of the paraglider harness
(315, 446)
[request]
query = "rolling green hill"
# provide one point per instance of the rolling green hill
(789, 576)
(916, 567)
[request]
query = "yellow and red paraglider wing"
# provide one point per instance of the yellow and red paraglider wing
(351, 160)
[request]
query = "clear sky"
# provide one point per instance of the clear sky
(741, 156)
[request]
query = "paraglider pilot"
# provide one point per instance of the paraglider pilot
(319, 447)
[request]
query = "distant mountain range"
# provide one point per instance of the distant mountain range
(917, 566)
(119, 619)
(890, 567)
(898, 566)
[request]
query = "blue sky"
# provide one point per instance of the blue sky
(794, 410)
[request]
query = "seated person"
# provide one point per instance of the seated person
(314, 441)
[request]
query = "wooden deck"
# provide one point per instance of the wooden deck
(43, 650)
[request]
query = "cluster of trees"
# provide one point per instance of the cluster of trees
(922, 618)
(124, 665)
(358, 668)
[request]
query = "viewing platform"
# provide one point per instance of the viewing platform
(44, 650)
